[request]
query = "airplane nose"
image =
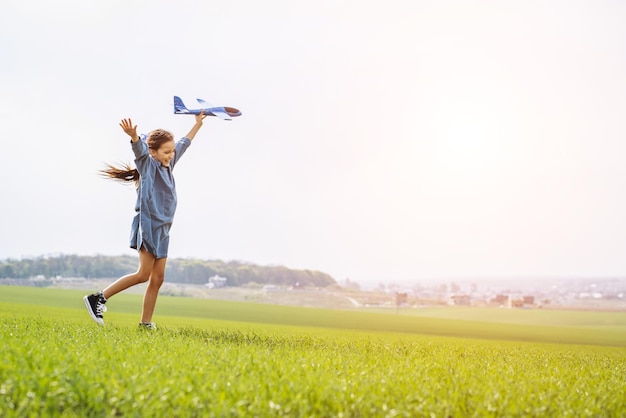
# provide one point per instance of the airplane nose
(232, 111)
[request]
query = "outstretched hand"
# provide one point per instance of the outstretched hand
(200, 117)
(127, 126)
(195, 128)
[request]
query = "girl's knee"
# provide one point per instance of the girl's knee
(157, 280)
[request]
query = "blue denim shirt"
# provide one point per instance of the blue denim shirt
(156, 199)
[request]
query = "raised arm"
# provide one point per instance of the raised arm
(127, 126)
(196, 127)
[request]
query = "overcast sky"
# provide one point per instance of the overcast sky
(394, 141)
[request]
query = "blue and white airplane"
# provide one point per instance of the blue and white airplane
(222, 112)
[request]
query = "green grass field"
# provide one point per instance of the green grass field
(214, 358)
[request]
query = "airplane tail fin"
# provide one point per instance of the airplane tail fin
(179, 106)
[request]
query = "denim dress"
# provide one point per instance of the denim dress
(156, 199)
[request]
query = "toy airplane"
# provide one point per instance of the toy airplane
(225, 113)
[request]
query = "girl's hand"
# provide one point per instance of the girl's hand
(195, 128)
(127, 126)
(200, 117)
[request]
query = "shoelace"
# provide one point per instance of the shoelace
(100, 308)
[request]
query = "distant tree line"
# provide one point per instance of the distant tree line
(178, 270)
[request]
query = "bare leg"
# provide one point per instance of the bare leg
(146, 265)
(152, 291)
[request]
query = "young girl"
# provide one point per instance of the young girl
(155, 158)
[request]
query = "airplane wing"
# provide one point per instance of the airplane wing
(204, 104)
(220, 112)
(221, 115)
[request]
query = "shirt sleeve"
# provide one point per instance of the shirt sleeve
(181, 147)
(140, 149)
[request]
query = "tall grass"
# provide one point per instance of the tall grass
(72, 368)
(57, 362)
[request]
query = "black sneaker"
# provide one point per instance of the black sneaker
(95, 305)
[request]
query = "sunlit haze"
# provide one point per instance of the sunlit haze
(393, 141)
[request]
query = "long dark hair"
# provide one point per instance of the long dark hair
(124, 172)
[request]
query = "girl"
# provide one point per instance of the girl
(155, 158)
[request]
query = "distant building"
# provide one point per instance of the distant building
(402, 298)
(270, 288)
(216, 282)
(516, 303)
(500, 299)
(460, 300)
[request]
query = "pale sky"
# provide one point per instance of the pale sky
(394, 141)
